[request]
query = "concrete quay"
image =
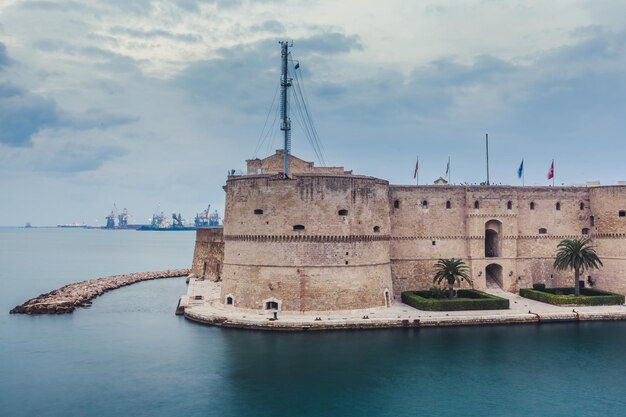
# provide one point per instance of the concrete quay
(65, 299)
(201, 304)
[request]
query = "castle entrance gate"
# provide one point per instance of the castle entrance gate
(493, 276)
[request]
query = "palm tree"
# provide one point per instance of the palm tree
(576, 254)
(451, 270)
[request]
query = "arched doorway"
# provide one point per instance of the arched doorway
(493, 230)
(493, 276)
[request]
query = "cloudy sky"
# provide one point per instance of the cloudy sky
(140, 103)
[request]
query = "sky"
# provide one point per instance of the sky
(146, 105)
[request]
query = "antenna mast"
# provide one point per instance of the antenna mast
(285, 126)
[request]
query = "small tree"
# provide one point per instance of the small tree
(576, 254)
(451, 270)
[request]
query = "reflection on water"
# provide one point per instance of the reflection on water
(130, 355)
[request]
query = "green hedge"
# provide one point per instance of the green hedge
(466, 300)
(563, 296)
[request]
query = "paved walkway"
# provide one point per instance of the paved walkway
(202, 304)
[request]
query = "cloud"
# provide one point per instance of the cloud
(64, 151)
(156, 33)
(329, 43)
(22, 114)
(245, 76)
(4, 58)
(268, 26)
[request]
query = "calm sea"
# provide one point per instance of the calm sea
(129, 355)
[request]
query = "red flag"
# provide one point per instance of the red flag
(416, 168)
(551, 172)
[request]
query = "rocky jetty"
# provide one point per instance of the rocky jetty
(65, 299)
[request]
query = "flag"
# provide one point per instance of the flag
(551, 172)
(416, 168)
(297, 65)
(448, 166)
(520, 170)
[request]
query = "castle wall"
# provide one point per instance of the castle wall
(208, 256)
(363, 241)
(426, 228)
(609, 234)
(340, 260)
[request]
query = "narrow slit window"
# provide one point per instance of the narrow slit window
(509, 205)
(582, 205)
(532, 205)
(229, 301)
(558, 206)
(476, 204)
(396, 204)
(448, 204)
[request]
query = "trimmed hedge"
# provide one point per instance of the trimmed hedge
(466, 300)
(564, 296)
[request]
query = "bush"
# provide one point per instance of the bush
(466, 300)
(564, 296)
(539, 287)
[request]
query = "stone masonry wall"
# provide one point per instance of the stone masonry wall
(362, 238)
(432, 222)
(208, 256)
(339, 260)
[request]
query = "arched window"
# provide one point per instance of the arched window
(396, 204)
(271, 305)
(376, 229)
(229, 301)
(342, 212)
(425, 204)
(298, 227)
(448, 204)
(258, 211)
(543, 231)
(558, 206)
(582, 205)
(532, 205)
(509, 205)
(585, 231)
(476, 204)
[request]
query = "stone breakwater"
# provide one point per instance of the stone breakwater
(65, 299)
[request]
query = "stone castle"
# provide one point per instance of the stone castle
(326, 239)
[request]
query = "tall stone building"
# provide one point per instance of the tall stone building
(326, 239)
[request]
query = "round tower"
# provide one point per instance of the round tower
(311, 243)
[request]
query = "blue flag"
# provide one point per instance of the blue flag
(520, 170)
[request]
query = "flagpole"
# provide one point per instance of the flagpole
(417, 174)
(487, 151)
(553, 172)
(523, 174)
(449, 172)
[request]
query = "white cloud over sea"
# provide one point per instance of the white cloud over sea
(140, 102)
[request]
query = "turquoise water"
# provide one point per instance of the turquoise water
(129, 355)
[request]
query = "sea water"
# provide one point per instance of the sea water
(129, 355)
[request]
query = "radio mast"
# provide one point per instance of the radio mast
(285, 125)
